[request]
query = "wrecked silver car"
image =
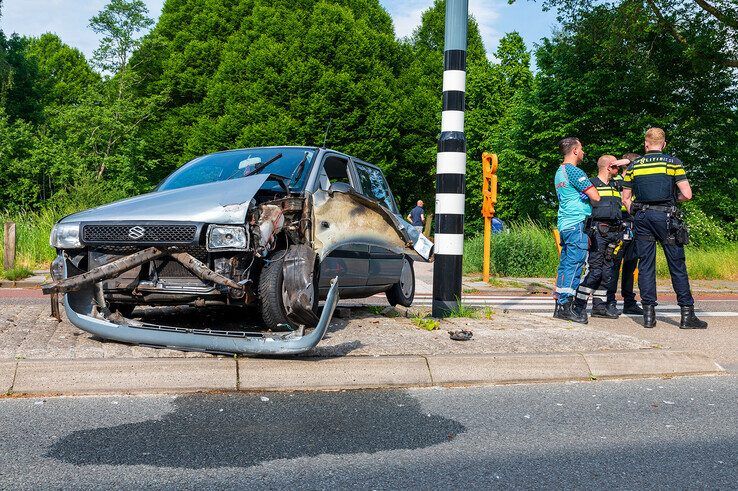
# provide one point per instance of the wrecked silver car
(277, 228)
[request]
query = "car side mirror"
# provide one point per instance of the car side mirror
(341, 187)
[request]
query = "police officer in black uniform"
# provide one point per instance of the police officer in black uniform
(655, 183)
(605, 230)
(628, 258)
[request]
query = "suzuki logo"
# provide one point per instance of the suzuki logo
(136, 232)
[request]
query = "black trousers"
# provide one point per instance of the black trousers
(600, 269)
(651, 227)
(629, 261)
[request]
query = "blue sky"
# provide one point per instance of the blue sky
(69, 19)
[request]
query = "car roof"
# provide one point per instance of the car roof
(306, 147)
(263, 148)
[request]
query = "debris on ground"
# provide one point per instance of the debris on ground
(461, 335)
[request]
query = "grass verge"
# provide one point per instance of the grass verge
(15, 274)
(528, 250)
(718, 263)
(525, 250)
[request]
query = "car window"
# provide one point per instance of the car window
(335, 169)
(294, 165)
(373, 185)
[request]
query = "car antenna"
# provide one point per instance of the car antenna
(325, 138)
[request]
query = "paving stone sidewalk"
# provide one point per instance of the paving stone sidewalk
(27, 332)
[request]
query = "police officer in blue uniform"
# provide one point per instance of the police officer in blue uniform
(627, 257)
(606, 233)
(652, 186)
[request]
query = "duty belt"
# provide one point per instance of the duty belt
(607, 225)
(662, 208)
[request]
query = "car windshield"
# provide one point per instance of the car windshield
(294, 164)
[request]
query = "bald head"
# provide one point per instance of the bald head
(605, 161)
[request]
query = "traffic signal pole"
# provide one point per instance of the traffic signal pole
(451, 165)
(489, 196)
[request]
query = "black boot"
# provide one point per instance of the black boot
(559, 310)
(568, 312)
(649, 316)
(632, 308)
(578, 312)
(612, 310)
(689, 320)
(608, 311)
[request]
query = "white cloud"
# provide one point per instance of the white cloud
(407, 15)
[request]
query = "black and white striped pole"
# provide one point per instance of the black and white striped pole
(451, 165)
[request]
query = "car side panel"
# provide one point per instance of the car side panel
(385, 266)
(350, 263)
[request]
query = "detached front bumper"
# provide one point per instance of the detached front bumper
(82, 311)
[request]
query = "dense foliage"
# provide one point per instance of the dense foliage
(218, 74)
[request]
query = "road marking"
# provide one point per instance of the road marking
(543, 306)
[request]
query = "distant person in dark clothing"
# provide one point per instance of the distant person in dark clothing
(417, 217)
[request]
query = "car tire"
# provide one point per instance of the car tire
(125, 309)
(403, 292)
(271, 306)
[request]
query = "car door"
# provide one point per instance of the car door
(385, 266)
(350, 262)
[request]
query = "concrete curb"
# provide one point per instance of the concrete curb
(178, 375)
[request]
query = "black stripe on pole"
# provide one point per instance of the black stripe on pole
(449, 224)
(451, 184)
(454, 59)
(453, 100)
(451, 268)
(452, 141)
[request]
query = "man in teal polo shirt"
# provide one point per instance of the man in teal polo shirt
(575, 191)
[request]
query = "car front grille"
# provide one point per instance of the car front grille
(139, 234)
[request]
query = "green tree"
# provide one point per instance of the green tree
(691, 23)
(63, 74)
(607, 86)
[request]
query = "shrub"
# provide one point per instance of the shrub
(704, 229)
(525, 250)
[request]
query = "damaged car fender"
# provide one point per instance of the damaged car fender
(342, 216)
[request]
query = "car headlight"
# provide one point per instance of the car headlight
(65, 236)
(223, 237)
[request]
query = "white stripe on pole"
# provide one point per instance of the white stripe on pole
(454, 80)
(452, 121)
(452, 204)
(451, 163)
(450, 244)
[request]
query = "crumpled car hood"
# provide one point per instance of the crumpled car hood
(223, 202)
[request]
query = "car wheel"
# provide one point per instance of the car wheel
(271, 291)
(403, 292)
(125, 309)
(270, 294)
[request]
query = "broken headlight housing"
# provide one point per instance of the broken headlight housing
(65, 236)
(227, 238)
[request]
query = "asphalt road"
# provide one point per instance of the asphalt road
(680, 433)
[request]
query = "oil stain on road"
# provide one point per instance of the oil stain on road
(242, 430)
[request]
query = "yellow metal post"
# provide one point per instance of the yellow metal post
(487, 248)
(557, 238)
(489, 195)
